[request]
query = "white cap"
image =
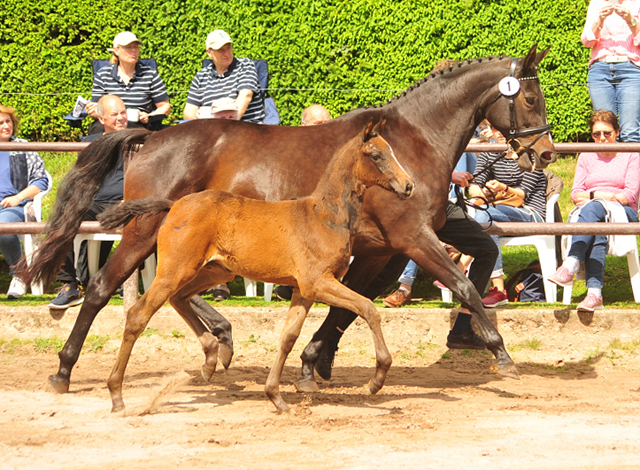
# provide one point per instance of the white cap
(223, 104)
(124, 39)
(218, 38)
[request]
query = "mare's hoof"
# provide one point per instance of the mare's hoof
(207, 374)
(58, 385)
(117, 408)
(373, 388)
(225, 353)
(509, 370)
(306, 386)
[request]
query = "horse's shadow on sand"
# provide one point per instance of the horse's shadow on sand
(439, 381)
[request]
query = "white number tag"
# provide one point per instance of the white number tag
(509, 86)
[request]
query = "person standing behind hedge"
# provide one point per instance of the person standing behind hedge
(22, 176)
(228, 77)
(611, 32)
(138, 85)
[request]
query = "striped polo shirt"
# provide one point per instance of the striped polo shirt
(208, 86)
(534, 184)
(142, 92)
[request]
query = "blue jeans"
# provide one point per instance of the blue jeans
(503, 213)
(10, 244)
(616, 88)
(409, 274)
(592, 249)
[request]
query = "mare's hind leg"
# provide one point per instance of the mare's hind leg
(132, 250)
(219, 326)
(211, 275)
(290, 333)
(361, 272)
(330, 291)
(432, 257)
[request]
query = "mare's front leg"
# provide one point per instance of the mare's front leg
(134, 248)
(290, 333)
(329, 290)
(431, 256)
(361, 272)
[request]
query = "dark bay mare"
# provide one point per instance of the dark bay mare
(428, 127)
(211, 236)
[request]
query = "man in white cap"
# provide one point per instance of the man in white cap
(228, 77)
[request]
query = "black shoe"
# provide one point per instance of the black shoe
(325, 361)
(283, 292)
(467, 340)
(221, 292)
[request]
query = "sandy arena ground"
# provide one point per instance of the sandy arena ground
(577, 404)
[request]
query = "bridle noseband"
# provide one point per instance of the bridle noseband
(514, 132)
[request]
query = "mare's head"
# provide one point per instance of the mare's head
(379, 166)
(519, 112)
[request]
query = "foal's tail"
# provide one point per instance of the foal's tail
(75, 196)
(120, 215)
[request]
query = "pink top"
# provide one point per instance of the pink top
(615, 36)
(620, 174)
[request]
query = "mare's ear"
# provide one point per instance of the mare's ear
(533, 58)
(368, 132)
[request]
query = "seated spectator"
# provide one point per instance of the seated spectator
(605, 188)
(112, 114)
(311, 116)
(611, 32)
(139, 86)
(228, 77)
(22, 176)
(522, 199)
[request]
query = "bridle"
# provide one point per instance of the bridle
(514, 132)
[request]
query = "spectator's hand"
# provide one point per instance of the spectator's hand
(461, 178)
(92, 109)
(143, 117)
(495, 186)
(621, 198)
(11, 201)
(622, 12)
(581, 200)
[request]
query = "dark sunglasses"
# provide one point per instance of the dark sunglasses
(598, 134)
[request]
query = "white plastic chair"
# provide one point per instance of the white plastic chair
(634, 275)
(33, 213)
(546, 246)
(93, 255)
(251, 289)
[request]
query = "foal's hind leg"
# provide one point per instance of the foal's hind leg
(290, 333)
(329, 290)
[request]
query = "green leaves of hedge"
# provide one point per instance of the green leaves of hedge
(327, 46)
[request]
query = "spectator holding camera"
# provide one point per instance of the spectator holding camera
(611, 32)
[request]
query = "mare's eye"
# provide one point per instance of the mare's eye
(530, 100)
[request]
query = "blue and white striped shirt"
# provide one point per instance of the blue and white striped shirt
(143, 91)
(208, 86)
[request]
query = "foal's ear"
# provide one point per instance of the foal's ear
(369, 132)
(379, 126)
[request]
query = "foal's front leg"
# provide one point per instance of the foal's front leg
(295, 319)
(329, 290)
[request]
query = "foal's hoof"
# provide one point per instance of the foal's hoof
(117, 408)
(207, 373)
(58, 385)
(306, 386)
(225, 353)
(373, 388)
(509, 370)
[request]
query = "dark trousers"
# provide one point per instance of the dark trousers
(80, 273)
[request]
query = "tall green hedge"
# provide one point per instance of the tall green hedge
(333, 47)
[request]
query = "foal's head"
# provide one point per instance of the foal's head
(379, 166)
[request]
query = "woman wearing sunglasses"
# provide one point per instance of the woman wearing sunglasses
(605, 186)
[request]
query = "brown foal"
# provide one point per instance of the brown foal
(210, 237)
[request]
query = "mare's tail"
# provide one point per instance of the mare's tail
(120, 215)
(75, 196)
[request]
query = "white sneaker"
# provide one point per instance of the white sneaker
(17, 289)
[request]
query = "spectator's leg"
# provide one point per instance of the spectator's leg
(10, 244)
(601, 88)
(628, 100)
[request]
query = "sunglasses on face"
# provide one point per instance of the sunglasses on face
(598, 134)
